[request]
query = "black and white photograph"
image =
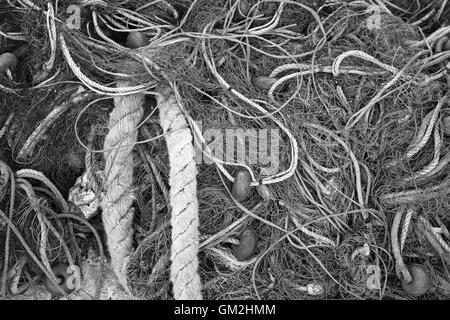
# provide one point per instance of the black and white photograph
(225, 158)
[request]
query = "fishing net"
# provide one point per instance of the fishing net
(338, 110)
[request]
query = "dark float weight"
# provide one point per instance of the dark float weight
(136, 39)
(241, 186)
(248, 243)
(421, 281)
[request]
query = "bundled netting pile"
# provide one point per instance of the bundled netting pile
(223, 149)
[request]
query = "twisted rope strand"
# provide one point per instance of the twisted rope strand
(405, 228)
(117, 199)
(183, 199)
(400, 267)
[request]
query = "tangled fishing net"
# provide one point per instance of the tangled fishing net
(286, 149)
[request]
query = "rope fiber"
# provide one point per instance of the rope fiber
(183, 199)
(117, 199)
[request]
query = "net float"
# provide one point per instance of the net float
(446, 46)
(241, 186)
(61, 272)
(7, 61)
(446, 125)
(265, 83)
(421, 280)
(312, 289)
(248, 243)
(244, 7)
(264, 192)
(136, 39)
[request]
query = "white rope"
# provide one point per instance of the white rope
(183, 199)
(13, 36)
(405, 228)
(6, 125)
(319, 238)
(117, 199)
(94, 86)
(423, 134)
(437, 154)
(39, 133)
(51, 26)
(416, 148)
(226, 258)
(400, 267)
(307, 68)
(362, 55)
(281, 176)
(33, 174)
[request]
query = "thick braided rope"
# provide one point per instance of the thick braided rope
(400, 267)
(117, 198)
(18, 36)
(226, 258)
(442, 32)
(183, 199)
